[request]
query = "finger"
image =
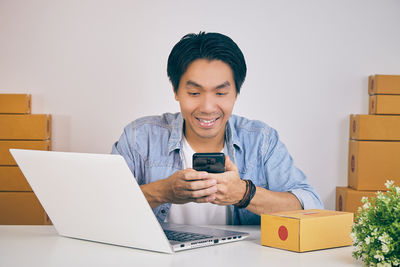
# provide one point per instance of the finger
(205, 199)
(218, 177)
(216, 202)
(226, 162)
(202, 193)
(194, 175)
(229, 165)
(200, 184)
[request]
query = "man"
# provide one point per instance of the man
(207, 71)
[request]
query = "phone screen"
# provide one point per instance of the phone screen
(209, 162)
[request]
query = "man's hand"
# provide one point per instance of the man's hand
(190, 186)
(230, 187)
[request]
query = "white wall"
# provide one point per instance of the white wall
(97, 65)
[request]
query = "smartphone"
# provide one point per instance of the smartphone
(209, 162)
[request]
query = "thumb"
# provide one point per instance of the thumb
(229, 165)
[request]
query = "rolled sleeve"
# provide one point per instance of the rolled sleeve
(308, 200)
(284, 176)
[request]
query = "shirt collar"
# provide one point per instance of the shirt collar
(175, 139)
(230, 134)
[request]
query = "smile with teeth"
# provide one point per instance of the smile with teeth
(207, 123)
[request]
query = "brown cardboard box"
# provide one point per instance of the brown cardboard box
(21, 208)
(384, 84)
(372, 163)
(349, 200)
(25, 127)
(375, 127)
(5, 145)
(15, 103)
(306, 230)
(12, 179)
(384, 105)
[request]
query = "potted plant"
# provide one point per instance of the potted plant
(376, 231)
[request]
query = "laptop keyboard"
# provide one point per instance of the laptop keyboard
(184, 236)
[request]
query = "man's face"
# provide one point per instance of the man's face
(206, 95)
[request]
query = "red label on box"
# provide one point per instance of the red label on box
(283, 233)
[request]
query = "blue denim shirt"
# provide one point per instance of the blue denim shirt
(152, 147)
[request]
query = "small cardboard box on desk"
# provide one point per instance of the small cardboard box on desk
(306, 230)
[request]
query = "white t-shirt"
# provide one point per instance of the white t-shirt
(195, 213)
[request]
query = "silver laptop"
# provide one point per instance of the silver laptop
(95, 197)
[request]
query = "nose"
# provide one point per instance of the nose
(208, 103)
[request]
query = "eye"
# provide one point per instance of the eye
(193, 93)
(221, 94)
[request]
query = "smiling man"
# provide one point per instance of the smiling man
(207, 71)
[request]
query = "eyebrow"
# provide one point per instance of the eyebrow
(224, 85)
(194, 84)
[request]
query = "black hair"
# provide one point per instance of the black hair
(211, 46)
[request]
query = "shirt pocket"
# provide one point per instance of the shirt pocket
(160, 168)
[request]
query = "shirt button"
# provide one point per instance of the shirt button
(163, 211)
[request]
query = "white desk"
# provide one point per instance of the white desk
(41, 246)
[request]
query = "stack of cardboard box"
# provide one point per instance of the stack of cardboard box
(374, 147)
(20, 129)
